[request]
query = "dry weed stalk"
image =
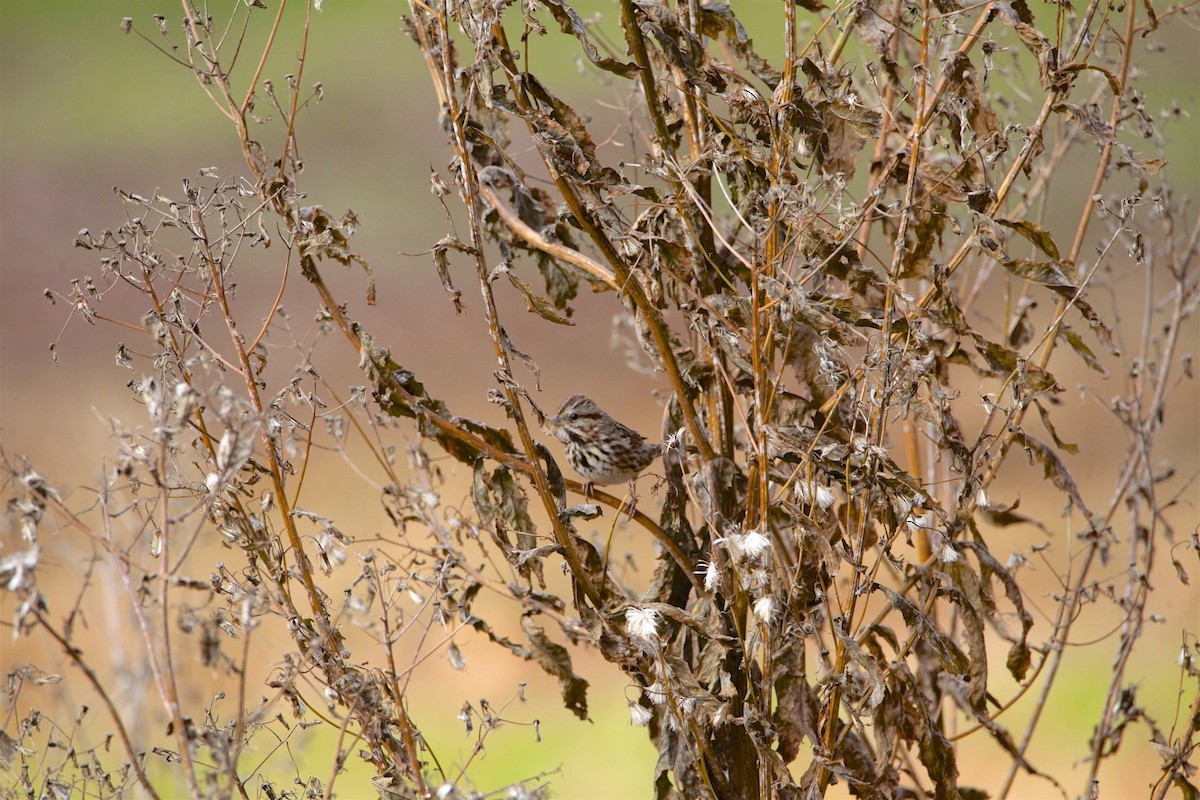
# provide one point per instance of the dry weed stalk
(810, 252)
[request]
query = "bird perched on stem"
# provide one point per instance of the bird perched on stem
(599, 448)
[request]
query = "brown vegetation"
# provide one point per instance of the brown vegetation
(831, 261)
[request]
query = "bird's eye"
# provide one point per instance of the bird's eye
(574, 415)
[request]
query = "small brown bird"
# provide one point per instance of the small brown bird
(599, 448)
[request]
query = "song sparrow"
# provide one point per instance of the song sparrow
(599, 448)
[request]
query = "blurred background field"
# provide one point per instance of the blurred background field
(84, 108)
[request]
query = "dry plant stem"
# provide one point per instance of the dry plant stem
(1159, 790)
(527, 466)
(821, 29)
(233, 110)
(926, 111)
(76, 656)
(406, 726)
(912, 451)
(244, 106)
(1033, 138)
(1082, 35)
(835, 53)
(693, 100)
(762, 349)
(159, 655)
(691, 97)
(637, 46)
(1134, 602)
(763, 356)
(238, 743)
(268, 442)
(470, 184)
(877, 180)
(370, 438)
(270, 316)
(1138, 459)
(1074, 594)
(167, 683)
(1035, 192)
(832, 707)
(289, 141)
(1135, 594)
(1146, 27)
(532, 237)
(236, 113)
(630, 286)
(339, 760)
(302, 567)
(483, 446)
(1152, 420)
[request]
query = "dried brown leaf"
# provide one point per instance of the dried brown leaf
(571, 23)
(441, 261)
(536, 303)
(1053, 468)
(1003, 362)
(919, 623)
(556, 661)
(1081, 349)
(1034, 233)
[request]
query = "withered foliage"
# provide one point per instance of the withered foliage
(832, 256)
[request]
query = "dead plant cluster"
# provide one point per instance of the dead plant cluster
(833, 256)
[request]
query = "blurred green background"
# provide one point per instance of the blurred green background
(84, 108)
